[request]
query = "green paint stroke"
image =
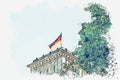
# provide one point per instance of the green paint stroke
(94, 52)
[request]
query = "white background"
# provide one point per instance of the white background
(9, 69)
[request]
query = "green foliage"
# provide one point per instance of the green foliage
(93, 53)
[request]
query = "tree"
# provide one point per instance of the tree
(94, 51)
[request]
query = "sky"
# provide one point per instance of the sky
(27, 27)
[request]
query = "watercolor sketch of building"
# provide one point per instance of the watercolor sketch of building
(58, 61)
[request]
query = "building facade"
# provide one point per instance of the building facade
(57, 61)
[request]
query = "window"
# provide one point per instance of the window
(63, 60)
(47, 71)
(54, 69)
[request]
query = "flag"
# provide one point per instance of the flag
(56, 42)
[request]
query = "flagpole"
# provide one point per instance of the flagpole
(61, 41)
(61, 44)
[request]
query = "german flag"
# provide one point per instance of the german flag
(56, 42)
